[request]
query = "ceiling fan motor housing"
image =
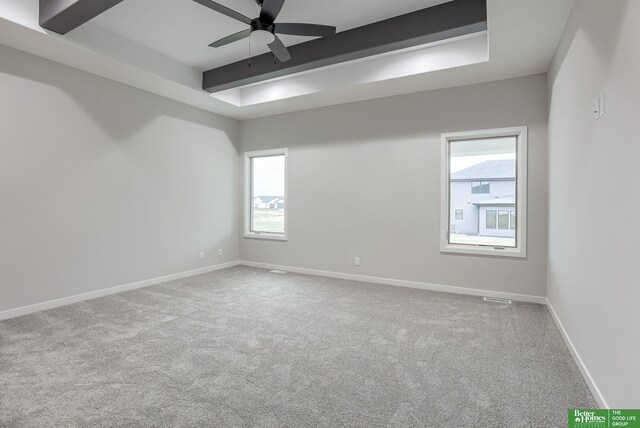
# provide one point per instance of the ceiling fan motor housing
(256, 25)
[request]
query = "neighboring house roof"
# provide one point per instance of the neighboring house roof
(497, 202)
(269, 198)
(488, 170)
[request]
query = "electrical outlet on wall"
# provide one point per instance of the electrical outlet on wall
(220, 252)
(357, 261)
(201, 255)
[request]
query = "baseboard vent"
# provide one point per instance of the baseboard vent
(497, 300)
(278, 271)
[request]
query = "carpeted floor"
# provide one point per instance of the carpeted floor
(244, 347)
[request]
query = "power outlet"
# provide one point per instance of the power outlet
(220, 252)
(201, 255)
(357, 261)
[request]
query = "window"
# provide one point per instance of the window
(266, 194)
(484, 176)
(503, 219)
(491, 219)
(478, 187)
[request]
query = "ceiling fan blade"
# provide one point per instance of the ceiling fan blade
(232, 38)
(279, 50)
(306, 29)
(270, 10)
(225, 11)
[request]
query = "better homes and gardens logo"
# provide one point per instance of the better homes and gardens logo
(603, 418)
(588, 418)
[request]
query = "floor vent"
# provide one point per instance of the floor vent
(278, 271)
(497, 300)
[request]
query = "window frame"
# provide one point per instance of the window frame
(248, 233)
(520, 250)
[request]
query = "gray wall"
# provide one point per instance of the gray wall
(364, 180)
(594, 281)
(103, 185)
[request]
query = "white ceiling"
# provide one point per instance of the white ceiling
(183, 29)
(161, 46)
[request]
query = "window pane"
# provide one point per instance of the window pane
(491, 219)
(267, 194)
(482, 182)
(513, 220)
(503, 219)
(480, 187)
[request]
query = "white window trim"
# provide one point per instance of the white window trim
(521, 194)
(248, 233)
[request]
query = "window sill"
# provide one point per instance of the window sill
(481, 250)
(267, 236)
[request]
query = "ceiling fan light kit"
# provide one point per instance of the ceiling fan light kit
(263, 30)
(262, 37)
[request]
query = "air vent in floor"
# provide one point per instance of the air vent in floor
(497, 300)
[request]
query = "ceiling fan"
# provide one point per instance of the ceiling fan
(264, 30)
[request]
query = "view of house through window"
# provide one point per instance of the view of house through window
(482, 192)
(267, 200)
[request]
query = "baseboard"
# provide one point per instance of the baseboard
(591, 383)
(457, 290)
(402, 283)
(25, 310)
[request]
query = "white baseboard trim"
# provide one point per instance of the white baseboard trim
(591, 383)
(402, 283)
(25, 310)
